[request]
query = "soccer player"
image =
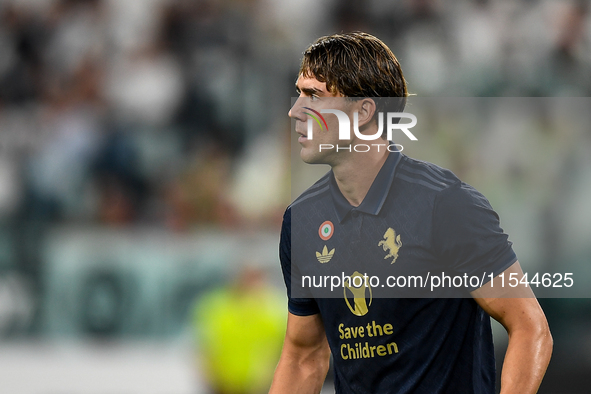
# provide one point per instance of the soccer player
(382, 208)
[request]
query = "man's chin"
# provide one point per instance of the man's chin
(310, 157)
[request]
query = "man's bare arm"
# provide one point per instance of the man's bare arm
(530, 342)
(304, 359)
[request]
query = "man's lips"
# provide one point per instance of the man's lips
(303, 136)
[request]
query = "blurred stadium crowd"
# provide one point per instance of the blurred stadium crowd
(153, 111)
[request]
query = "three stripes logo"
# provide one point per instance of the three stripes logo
(325, 256)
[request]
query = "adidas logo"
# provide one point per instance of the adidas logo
(325, 256)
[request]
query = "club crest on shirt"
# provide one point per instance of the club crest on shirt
(391, 244)
(325, 256)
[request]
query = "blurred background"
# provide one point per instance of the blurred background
(145, 166)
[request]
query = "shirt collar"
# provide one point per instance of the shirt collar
(376, 196)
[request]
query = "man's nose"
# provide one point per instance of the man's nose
(296, 111)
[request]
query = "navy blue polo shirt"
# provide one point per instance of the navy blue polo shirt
(417, 218)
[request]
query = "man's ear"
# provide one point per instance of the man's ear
(366, 108)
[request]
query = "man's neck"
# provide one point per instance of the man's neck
(354, 177)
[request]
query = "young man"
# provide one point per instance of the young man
(381, 208)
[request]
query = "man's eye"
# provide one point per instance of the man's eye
(314, 98)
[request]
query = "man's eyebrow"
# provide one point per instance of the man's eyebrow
(308, 91)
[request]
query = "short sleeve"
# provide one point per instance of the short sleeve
(467, 235)
(297, 306)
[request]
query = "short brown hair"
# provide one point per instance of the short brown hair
(355, 65)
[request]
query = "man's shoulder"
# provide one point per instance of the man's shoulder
(317, 190)
(425, 174)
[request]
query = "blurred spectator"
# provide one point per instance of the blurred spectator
(426, 53)
(261, 183)
(199, 194)
(239, 330)
(566, 68)
(120, 188)
(145, 87)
